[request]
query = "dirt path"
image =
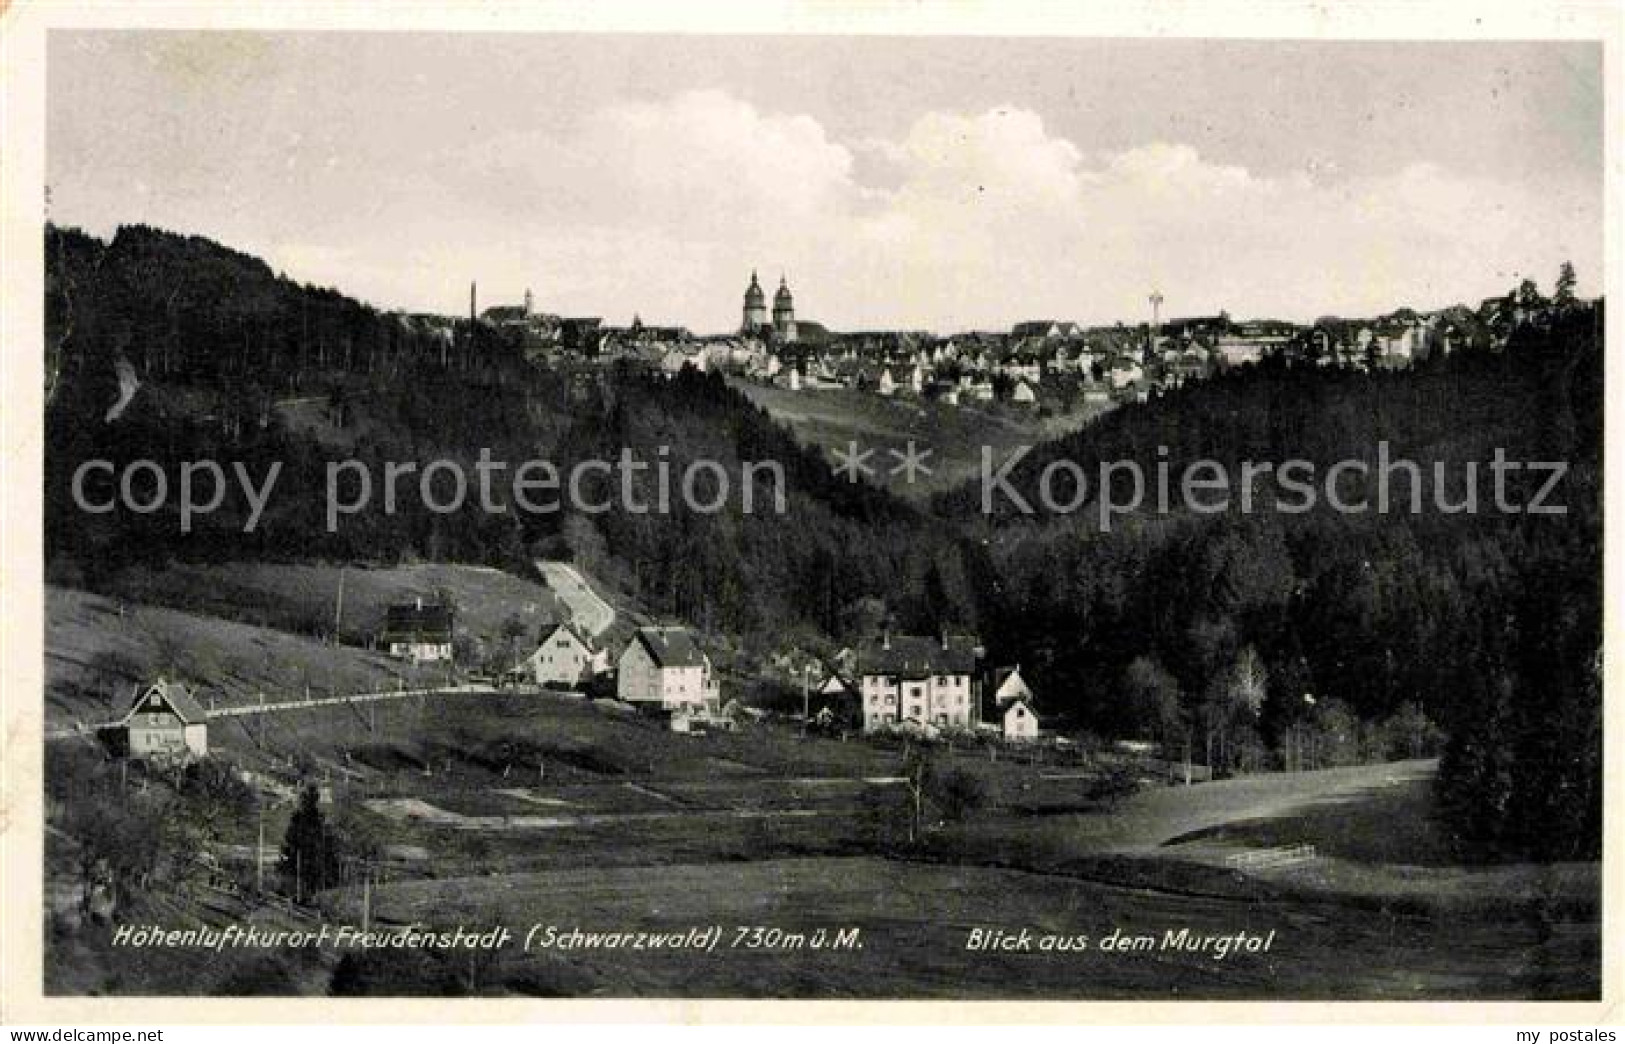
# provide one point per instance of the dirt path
(1154, 817)
(588, 611)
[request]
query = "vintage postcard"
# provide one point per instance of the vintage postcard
(888, 507)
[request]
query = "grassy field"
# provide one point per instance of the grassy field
(633, 828)
(305, 598)
(97, 650)
(528, 809)
(915, 921)
(834, 417)
(1359, 922)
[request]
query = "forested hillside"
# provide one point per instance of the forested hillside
(232, 341)
(1281, 638)
(1262, 639)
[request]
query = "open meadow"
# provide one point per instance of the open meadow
(530, 809)
(832, 417)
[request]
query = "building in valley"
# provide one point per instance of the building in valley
(419, 633)
(1013, 705)
(835, 703)
(664, 669)
(166, 724)
(1008, 685)
(924, 680)
(564, 657)
(1019, 722)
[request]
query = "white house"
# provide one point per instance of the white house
(1239, 351)
(1023, 366)
(835, 700)
(663, 668)
(420, 633)
(1008, 684)
(1124, 372)
(1023, 394)
(166, 724)
(563, 658)
(1020, 721)
(1400, 346)
(909, 678)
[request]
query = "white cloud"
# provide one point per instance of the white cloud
(961, 219)
(995, 219)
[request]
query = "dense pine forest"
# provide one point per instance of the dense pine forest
(1315, 637)
(1256, 641)
(391, 395)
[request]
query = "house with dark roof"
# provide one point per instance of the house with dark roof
(417, 632)
(664, 669)
(165, 723)
(919, 679)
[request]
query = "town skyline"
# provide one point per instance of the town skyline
(967, 198)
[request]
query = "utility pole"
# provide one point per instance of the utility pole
(338, 608)
(259, 851)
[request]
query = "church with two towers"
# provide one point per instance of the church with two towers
(756, 323)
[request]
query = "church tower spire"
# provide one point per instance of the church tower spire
(784, 313)
(755, 314)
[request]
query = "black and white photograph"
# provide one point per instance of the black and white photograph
(811, 515)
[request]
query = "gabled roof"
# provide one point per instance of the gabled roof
(671, 646)
(418, 620)
(1001, 676)
(549, 634)
(175, 696)
(835, 684)
(916, 656)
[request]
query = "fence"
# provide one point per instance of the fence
(245, 709)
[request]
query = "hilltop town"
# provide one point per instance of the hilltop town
(1035, 364)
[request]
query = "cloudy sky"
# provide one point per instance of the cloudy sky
(942, 183)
